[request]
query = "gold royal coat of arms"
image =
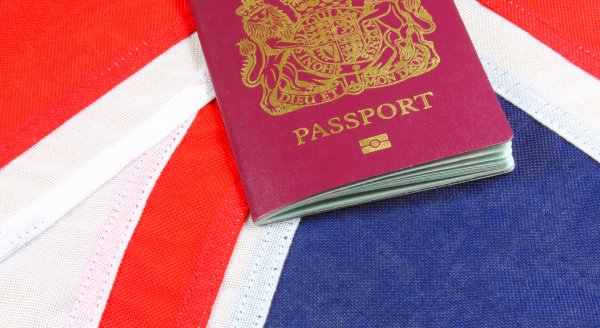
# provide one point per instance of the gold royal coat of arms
(331, 48)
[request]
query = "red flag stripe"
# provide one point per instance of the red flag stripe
(569, 27)
(57, 57)
(176, 259)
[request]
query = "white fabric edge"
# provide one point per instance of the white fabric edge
(556, 118)
(44, 211)
(101, 124)
(102, 268)
(244, 298)
(41, 213)
(535, 78)
(65, 274)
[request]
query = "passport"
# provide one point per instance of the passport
(333, 103)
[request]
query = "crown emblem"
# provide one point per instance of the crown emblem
(331, 48)
(301, 7)
(250, 7)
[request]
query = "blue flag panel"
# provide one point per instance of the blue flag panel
(519, 250)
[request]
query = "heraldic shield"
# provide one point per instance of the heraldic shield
(304, 53)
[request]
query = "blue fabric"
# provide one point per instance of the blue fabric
(519, 250)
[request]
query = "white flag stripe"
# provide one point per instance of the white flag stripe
(45, 182)
(531, 75)
(245, 296)
(102, 268)
(64, 277)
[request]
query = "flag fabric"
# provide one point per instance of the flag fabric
(121, 206)
(570, 29)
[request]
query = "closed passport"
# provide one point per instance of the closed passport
(319, 94)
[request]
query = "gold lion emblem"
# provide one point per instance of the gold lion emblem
(331, 48)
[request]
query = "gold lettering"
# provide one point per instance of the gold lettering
(286, 98)
(357, 118)
(365, 114)
(405, 105)
(301, 133)
(380, 80)
(351, 120)
(310, 99)
(423, 97)
(317, 129)
(297, 99)
(393, 109)
(334, 122)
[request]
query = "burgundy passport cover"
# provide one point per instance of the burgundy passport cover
(301, 83)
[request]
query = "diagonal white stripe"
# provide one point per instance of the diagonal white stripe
(117, 230)
(59, 172)
(244, 298)
(536, 79)
(64, 277)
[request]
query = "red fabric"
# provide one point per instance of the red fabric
(58, 56)
(176, 259)
(572, 28)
